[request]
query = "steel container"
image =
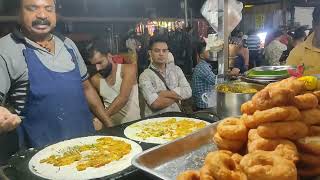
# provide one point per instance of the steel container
(229, 104)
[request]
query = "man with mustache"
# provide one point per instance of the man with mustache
(44, 80)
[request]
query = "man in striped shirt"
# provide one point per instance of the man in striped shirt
(254, 46)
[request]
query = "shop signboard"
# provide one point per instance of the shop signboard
(259, 18)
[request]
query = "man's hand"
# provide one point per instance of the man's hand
(235, 72)
(170, 94)
(108, 119)
(99, 125)
(163, 94)
(8, 121)
(165, 99)
(95, 104)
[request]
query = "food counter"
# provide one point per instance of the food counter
(277, 137)
(280, 124)
(18, 165)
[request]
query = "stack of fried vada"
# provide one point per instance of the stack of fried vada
(231, 134)
(309, 147)
(278, 134)
(284, 120)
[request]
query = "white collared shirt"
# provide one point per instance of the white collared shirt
(150, 85)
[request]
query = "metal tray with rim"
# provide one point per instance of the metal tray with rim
(169, 160)
(258, 81)
(269, 68)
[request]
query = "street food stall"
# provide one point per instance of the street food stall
(278, 129)
(267, 126)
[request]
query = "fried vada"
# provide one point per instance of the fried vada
(289, 113)
(306, 101)
(189, 175)
(226, 144)
(220, 165)
(248, 108)
(317, 93)
(232, 129)
(272, 97)
(311, 116)
(264, 165)
(249, 122)
(297, 86)
(284, 130)
(282, 147)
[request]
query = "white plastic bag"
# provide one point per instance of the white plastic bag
(235, 14)
(214, 44)
(210, 12)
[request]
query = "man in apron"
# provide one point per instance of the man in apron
(43, 79)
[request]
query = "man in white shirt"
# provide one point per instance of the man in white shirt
(132, 43)
(163, 85)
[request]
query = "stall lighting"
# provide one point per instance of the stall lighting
(248, 5)
(262, 37)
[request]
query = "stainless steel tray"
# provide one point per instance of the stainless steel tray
(169, 160)
(269, 68)
(258, 81)
(272, 68)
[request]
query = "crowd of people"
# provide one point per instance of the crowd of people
(50, 92)
(182, 42)
(163, 83)
(280, 47)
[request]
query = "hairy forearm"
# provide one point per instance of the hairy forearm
(117, 105)
(95, 104)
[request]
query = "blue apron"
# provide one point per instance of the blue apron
(56, 108)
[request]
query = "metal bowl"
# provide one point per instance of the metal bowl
(229, 104)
